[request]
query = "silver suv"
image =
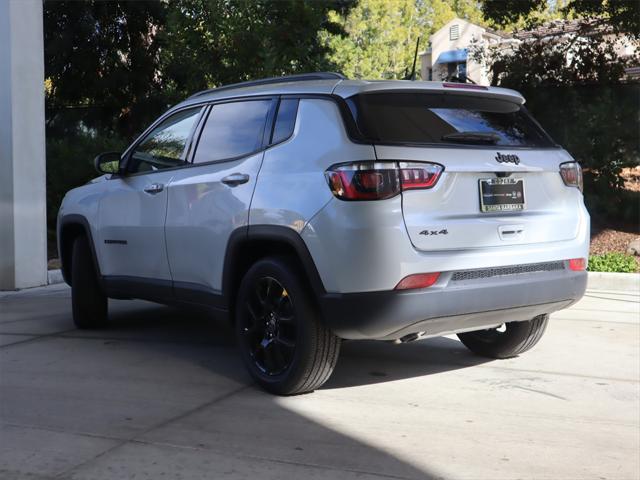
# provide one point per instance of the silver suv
(312, 209)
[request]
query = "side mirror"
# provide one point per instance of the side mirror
(108, 162)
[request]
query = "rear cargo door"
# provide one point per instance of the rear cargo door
(501, 183)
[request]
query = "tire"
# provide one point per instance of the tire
(517, 338)
(88, 301)
(282, 341)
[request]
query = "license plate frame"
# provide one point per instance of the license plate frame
(501, 194)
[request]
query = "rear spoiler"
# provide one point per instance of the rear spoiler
(348, 88)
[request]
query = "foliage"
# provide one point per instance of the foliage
(381, 35)
(574, 86)
(103, 54)
(506, 12)
(613, 262)
(582, 61)
(212, 42)
(132, 59)
(587, 56)
(70, 164)
(598, 125)
(623, 16)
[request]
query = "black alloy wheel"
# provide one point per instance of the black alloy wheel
(269, 332)
(282, 339)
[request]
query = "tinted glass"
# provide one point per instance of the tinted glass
(165, 146)
(286, 120)
(417, 118)
(232, 130)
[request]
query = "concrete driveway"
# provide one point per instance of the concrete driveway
(162, 394)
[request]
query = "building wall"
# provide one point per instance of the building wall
(471, 35)
(468, 34)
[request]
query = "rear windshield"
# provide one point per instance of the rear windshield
(428, 118)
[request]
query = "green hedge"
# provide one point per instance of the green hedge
(613, 262)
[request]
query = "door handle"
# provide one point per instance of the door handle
(154, 188)
(235, 179)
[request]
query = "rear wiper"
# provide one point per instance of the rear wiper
(472, 137)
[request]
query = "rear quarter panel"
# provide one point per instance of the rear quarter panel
(291, 185)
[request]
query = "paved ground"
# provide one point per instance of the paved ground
(161, 394)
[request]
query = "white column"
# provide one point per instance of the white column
(23, 238)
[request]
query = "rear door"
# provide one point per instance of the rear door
(501, 183)
(210, 199)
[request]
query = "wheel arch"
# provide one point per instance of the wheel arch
(71, 227)
(248, 244)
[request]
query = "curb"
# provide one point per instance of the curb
(54, 277)
(629, 282)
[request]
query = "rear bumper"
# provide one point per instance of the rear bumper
(451, 307)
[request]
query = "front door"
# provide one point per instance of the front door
(134, 205)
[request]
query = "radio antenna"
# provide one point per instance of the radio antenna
(415, 58)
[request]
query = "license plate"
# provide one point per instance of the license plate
(501, 194)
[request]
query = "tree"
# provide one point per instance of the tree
(125, 61)
(621, 15)
(102, 54)
(382, 34)
(213, 42)
(576, 84)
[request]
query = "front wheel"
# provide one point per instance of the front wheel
(282, 340)
(508, 340)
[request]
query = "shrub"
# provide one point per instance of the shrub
(613, 262)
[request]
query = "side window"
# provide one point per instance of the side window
(165, 146)
(286, 119)
(232, 130)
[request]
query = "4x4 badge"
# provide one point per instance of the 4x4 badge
(500, 158)
(443, 231)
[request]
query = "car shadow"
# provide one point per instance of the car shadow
(369, 362)
(360, 363)
(161, 345)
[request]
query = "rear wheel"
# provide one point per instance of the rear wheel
(88, 301)
(506, 341)
(282, 340)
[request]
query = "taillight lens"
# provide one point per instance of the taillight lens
(578, 264)
(571, 174)
(380, 180)
(418, 280)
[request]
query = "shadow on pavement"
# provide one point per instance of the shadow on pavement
(162, 392)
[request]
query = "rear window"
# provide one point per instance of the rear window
(428, 118)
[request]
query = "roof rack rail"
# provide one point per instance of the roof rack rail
(301, 77)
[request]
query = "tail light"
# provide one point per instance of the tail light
(571, 174)
(380, 180)
(577, 264)
(418, 280)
